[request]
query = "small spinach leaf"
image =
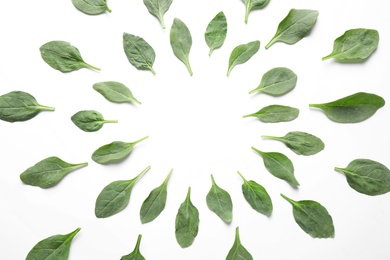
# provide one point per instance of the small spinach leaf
(115, 196)
(352, 109)
(216, 31)
(136, 254)
(63, 56)
(367, 176)
(253, 5)
(158, 8)
(276, 114)
(181, 42)
(242, 53)
(219, 201)
(238, 251)
(19, 106)
(312, 217)
(296, 25)
(90, 120)
(91, 7)
(115, 92)
(277, 82)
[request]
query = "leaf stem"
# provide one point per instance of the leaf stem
(161, 18)
(272, 41)
(292, 202)
(254, 91)
(249, 115)
(189, 67)
(137, 245)
(246, 12)
(212, 180)
(110, 121)
(143, 138)
(327, 57)
(256, 150)
(211, 51)
(272, 137)
(168, 177)
(142, 173)
(188, 198)
(92, 67)
(108, 9)
(315, 105)
(46, 108)
(73, 234)
(242, 177)
(237, 237)
(152, 70)
(229, 70)
(80, 165)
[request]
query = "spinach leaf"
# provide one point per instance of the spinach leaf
(48, 172)
(253, 5)
(56, 247)
(115, 92)
(242, 53)
(300, 142)
(90, 120)
(187, 222)
(63, 56)
(352, 109)
(158, 8)
(115, 196)
(277, 82)
(219, 201)
(139, 53)
(216, 31)
(257, 196)
(92, 7)
(136, 254)
(367, 176)
(238, 251)
(354, 45)
(276, 114)
(181, 42)
(154, 204)
(279, 165)
(20, 106)
(296, 25)
(114, 152)
(312, 217)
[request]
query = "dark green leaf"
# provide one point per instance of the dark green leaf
(352, 109)
(63, 56)
(158, 8)
(256, 196)
(219, 201)
(367, 176)
(90, 120)
(139, 53)
(276, 114)
(216, 31)
(253, 5)
(300, 142)
(279, 165)
(48, 172)
(187, 222)
(242, 53)
(136, 254)
(154, 204)
(354, 45)
(238, 251)
(114, 152)
(56, 247)
(19, 106)
(115, 196)
(312, 217)
(92, 7)
(277, 82)
(296, 25)
(181, 42)
(115, 92)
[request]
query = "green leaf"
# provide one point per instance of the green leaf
(181, 42)
(187, 222)
(114, 152)
(48, 172)
(136, 254)
(91, 7)
(139, 53)
(257, 196)
(219, 201)
(19, 106)
(296, 25)
(154, 204)
(312, 217)
(90, 120)
(277, 82)
(352, 109)
(238, 251)
(115, 92)
(300, 142)
(115, 196)
(279, 165)
(276, 114)
(242, 53)
(56, 247)
(216, 31)
(63, 56)
(158, 8)
(253, 5)
(354, 45)
(367, 176)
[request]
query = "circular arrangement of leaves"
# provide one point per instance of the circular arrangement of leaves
(363, 175)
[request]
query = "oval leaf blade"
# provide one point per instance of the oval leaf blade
(242, 53)
(277, 82)
(115, 92)
(219, 201)
(216, 31)
(92, 7)
(181, 42)
(90, 120)
(276, 114)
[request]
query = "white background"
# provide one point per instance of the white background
(195, 126)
